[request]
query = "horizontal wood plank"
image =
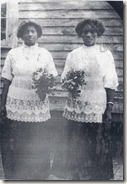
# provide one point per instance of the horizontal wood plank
(59, 5)
(117, 54)
(110, 22)
(75, 39)
(69, 14)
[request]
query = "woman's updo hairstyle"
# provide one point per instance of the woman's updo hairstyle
(24, 24)
(96, 25)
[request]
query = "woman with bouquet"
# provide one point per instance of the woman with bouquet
(89, 105)
(28, 73)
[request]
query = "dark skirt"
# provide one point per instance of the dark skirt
(25, 149)
(88, 153)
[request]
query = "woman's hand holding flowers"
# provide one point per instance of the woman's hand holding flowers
(43, 82)
(68, 84)
(73, 81)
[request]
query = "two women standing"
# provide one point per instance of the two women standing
(88, 115)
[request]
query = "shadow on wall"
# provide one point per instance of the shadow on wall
(118, 6)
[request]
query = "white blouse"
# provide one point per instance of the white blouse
(99, 68)
(23, 104)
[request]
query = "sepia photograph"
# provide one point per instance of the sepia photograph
(61, 90)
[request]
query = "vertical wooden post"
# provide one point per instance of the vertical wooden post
(12, 23)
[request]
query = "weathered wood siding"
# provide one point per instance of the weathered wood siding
(58, 19)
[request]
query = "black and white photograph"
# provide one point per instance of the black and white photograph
(61, 90)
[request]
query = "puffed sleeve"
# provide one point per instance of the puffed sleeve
(67, 67)
(110, 78)
(7, 71)
(51, 66)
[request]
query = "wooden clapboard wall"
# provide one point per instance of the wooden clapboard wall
(58, 19)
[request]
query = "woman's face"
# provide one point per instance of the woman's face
(30, 35)
(89, 36)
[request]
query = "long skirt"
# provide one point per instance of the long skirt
(88, 153)
(25, 148)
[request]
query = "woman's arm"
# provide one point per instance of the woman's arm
(67, 67)
(110, 83)
(110, 96)
(4, 97)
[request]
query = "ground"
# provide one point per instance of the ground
(117, 149)
(117, 164)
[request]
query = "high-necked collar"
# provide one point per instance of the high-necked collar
(30, 47)
(90, 47)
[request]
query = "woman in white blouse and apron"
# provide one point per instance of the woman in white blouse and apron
(25, 142)
(89, 115)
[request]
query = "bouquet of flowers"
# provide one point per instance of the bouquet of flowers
(43, 82)
(73, 81)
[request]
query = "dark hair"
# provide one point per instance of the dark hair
(24, 24)
(96, 25)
